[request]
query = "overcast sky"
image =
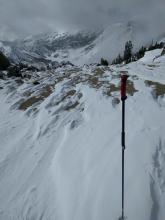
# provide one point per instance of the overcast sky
(26, 17)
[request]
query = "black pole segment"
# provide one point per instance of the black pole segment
(123, 149)
(123, 98)
(123, 125)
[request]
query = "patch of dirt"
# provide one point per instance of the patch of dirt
(98, 72)
(113, 88)
(68, 94)
(94, 82)
(158, 88)
(29, 102)
(130, 89)
(45, 92)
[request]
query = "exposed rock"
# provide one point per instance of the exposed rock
(1, 75)
(4, 62)
(55, 64)
(36, 83)
(14, 70)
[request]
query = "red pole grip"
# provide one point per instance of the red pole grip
(123, 86)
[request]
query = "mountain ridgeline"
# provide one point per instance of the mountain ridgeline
(45, 47)
(116, 43)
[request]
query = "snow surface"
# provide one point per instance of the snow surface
(61, 158)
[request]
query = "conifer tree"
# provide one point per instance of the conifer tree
(128, 51)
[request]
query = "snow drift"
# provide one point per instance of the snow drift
(60, 152)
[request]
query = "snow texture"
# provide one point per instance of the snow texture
(60, 154)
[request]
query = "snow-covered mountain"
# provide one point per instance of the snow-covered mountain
(48, 47)
(78, 47)
(60, 135)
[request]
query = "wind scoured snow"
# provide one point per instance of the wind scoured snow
(60, 158)
(151, 55)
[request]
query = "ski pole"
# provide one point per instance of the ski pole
(123, 98)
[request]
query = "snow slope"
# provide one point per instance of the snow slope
(60, 154)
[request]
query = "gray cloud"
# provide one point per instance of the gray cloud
(27, 17)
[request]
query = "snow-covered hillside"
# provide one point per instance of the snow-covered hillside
(60, 151)
(49, 47)
(78, 47)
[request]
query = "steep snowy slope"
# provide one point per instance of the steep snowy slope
(60, 151)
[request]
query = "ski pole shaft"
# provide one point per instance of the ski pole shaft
(123, 149)
(123, 98)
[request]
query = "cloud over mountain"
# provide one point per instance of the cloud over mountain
(22, 17)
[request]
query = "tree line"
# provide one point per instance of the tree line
(129, 56)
